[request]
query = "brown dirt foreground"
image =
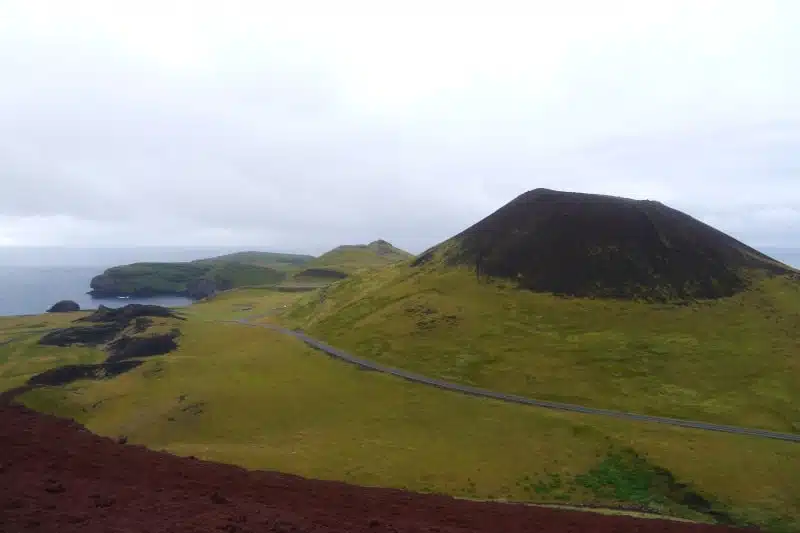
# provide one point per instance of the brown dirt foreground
(57, 476)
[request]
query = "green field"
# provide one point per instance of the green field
(252, 397)
(732, 360)
(243, 303)
(277, 261)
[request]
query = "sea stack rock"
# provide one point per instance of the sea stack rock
(64, 306)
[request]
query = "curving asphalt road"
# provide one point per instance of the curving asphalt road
(485, 393)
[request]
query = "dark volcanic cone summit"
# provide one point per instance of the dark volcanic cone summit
(605, 246)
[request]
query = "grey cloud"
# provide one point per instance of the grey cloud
(311, 132)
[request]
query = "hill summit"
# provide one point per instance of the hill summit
(604, 246)
(348, 258)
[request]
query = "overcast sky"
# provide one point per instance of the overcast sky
(302, 125)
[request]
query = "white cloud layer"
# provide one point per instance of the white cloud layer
(303, 125)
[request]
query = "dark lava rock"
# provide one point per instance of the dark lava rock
(129, 312)
(109, 323)
(69, 373)
(64, 306)
(89, 335)
(128, 347)
(604, 246)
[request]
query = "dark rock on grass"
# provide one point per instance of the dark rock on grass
(592, 245)
(109, 325)
(88, 335)
(128, 347)
(64, 306)
(69, 373)
(129, 312)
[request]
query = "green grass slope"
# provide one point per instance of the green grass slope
(349, 258)
(731, 360)
(277, 261)
(252, 397)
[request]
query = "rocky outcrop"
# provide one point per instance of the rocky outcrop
(64, 375)
(201, 289)
(123, 331)
(85, 335)
(129, 312)
(107, 324)
(129, 347)
(64, 306)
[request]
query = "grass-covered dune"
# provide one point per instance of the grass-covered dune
(250, 396)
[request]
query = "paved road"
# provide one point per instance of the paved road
(485, 393)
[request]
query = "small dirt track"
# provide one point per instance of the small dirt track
(57, 476)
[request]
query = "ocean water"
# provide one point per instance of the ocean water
(27, 290)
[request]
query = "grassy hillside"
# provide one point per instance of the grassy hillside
(21, 357)
(277, 261)
(149, 279)
(732, 360)
(349, 258)
(252, 397)
(242, 303)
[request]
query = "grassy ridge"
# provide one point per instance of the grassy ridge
(730, 361)
(252, 397)
(350, 258)
(277, 261)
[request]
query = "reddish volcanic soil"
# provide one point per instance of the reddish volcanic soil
(55, 476)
